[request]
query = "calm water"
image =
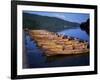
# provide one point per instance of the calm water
(35, 58)
(78, 33)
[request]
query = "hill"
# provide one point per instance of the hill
(34, 21)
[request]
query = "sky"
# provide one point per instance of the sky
(73, 17)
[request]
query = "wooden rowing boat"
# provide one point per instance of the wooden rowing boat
(54, 44)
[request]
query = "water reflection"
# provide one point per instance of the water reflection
(77, 33)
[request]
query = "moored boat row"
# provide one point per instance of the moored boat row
(53, 44)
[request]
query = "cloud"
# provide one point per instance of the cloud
(59, 16)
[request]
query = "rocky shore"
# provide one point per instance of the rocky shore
(53, 44)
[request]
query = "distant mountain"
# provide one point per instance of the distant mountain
(33, 21)
(86, 26)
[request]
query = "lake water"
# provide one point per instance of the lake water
(78, 33)
(35, 57)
